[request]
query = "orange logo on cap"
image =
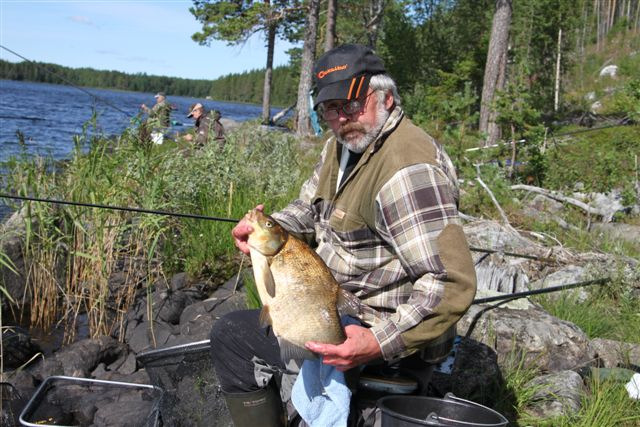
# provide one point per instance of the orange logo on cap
(323, 73)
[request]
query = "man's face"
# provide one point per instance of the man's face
(159, 99)
(197, 113)
(357, 127)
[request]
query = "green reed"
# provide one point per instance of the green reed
(72, 252)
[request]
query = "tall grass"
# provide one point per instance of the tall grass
(604, 404)
(609, 312)
(71, 253)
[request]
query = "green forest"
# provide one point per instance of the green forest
(241, 87)
(436, 51)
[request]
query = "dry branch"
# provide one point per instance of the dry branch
(505, 220)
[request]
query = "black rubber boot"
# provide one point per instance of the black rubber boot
(258, 408)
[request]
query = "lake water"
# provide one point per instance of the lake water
(50, 115)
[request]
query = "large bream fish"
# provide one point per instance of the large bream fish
(299, 295)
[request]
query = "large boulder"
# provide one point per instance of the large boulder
(556, 394)
(540, 339)
(475, 374)
(18, 348)
(501, 274)
(612, 354)
(566, 275)
(80, 358)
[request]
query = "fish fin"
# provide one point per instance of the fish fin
(289, 351)
(348, 303)
(261, 267)
(265, 318)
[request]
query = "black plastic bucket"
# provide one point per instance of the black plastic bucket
(411, 411)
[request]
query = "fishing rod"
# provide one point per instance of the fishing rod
(205, 217)
(117, 208)
(505, 299)
(518, 295)
(512, 254)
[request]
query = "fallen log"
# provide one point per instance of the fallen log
(607, 215)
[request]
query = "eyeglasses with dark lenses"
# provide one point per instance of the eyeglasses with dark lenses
(347, 108)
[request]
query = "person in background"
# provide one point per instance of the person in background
(159, 114)
(381, 210)
(204, 124)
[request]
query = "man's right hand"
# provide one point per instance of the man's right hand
(241, 233)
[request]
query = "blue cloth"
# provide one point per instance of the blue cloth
(320, 393)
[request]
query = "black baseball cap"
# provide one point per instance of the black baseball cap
(344, 72)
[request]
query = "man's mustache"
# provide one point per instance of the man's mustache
(350, 127)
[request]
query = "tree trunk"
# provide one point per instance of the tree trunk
(372, 20)
(306, 69)
(268, 74)
(495, 69)
(332, 14)
(556, 94)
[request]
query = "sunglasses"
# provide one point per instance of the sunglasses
(347, 108)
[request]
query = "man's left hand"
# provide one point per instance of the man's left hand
(360, 347)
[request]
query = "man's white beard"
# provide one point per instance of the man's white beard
(360, 144)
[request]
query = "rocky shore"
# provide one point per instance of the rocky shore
(164, 342)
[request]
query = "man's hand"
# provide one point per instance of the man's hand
(360, 347)
(241, 233)
(188, 137)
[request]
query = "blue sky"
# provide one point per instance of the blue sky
(146, 36)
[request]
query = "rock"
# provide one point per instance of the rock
(144, 337)
(544, 204)
(609, 71)
(23, 382)
(501, 274)
(229, 125)
(595, 107)
(566, 275)
(612, 354)
(100, 371)
(130, 410)
(557, 394)
(168, 305)
(119, 362)
(544, 209)
(475, 375)
(129, 366)
(179, 281)
(490, 234)
(618, 231)
(197, 319)
(540, 339)
(607, 203)
(80, 358)
(17, 347)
